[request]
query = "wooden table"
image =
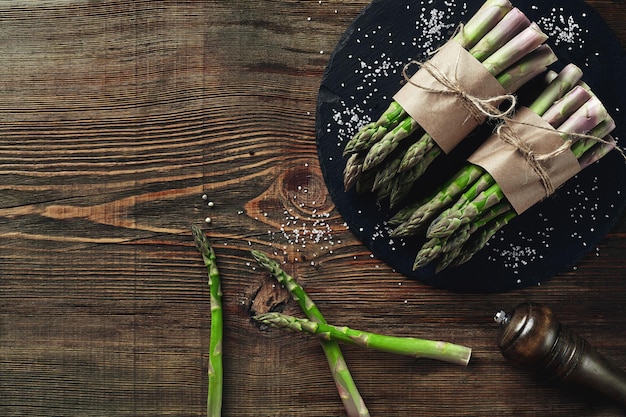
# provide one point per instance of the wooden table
(116, 118)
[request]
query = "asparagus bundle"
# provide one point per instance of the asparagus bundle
(215, 373)
(471, 207)
(472, 179)
(352, 400)
(410, 346)
(507, 44)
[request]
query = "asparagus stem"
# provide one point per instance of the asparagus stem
(483, 21)
(509, 26)
(215, 371)
(527, 68)
(566, 106)
(603, 129)
(564, 81)
(348, 392)
(597, 151)
(515, 49)
(585, 118)
(409, 346)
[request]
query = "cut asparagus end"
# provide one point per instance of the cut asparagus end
(564, 81)
(515, 49)
(508, 27)
(489, 14)
(563, 108)
(527, 68)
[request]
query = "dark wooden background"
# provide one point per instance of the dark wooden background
(116, 117)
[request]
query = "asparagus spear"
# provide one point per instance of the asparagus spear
(352, 170)
(348, 392)
(373, 132)
(402, 184)
(478, 240)
(215, 372)
(510, 25)
(409, 346)
(452, 247)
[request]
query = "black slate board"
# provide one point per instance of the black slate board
(363, 74)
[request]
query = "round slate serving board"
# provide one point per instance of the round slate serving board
(365, 71)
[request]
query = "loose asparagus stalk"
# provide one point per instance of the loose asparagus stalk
(485, 19)
(215, 372)
(348, 392)
(409, 346)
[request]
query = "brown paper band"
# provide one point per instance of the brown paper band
(528, 159)
(451, 94)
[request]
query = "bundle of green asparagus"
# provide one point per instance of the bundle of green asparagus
(466, 211)
(509, 47)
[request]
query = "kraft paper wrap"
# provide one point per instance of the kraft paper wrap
(444, 116)
(508, 165)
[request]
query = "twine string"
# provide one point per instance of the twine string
(477, 107)
(532, 158)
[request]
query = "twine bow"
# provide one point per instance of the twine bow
(532, 158)
(477, 107)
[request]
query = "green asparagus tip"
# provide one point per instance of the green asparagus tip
(265, 261)
(202, 243)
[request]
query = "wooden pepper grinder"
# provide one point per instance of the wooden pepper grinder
(532, 338)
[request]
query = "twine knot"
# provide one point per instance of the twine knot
(477, 107)
(533, 159)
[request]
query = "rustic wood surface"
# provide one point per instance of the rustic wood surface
(116, 117)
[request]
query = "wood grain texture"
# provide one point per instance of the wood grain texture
(115, 118)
